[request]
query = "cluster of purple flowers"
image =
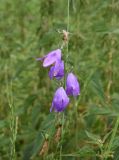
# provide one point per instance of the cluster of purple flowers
(56, 64)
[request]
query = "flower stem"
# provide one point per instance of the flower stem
(112, 138)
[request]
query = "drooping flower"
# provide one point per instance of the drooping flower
(60, 100)
(51, 58)
(57, 70)
(72, 85)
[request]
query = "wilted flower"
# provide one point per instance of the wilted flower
(57, 70)
(72, 85)
(51, 58)
(60, 100)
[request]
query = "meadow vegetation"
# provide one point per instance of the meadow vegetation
(89, 127)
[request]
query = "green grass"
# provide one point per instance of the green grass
(89, 126)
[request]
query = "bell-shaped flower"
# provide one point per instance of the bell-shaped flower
(57, 70)
(60, 100)
(72, 85)
(51, 58)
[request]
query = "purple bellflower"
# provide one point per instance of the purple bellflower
(51, 58)
(60, 100)
(57, 70)
(72, 85)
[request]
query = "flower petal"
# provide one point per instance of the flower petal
(60, 100)
(51, 72)
(52, 57)
(57, 70)
(72, 85)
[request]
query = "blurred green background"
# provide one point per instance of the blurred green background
(29, 29)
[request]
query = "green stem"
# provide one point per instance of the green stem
(76, 121)
(65, 77)
(68, 16)
(112, 138)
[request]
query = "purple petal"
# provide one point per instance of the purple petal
(72, 85)
(60, 100)
(60, 70)
(52, 57)
(41, 59)
(57, 70)
(51, 72)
